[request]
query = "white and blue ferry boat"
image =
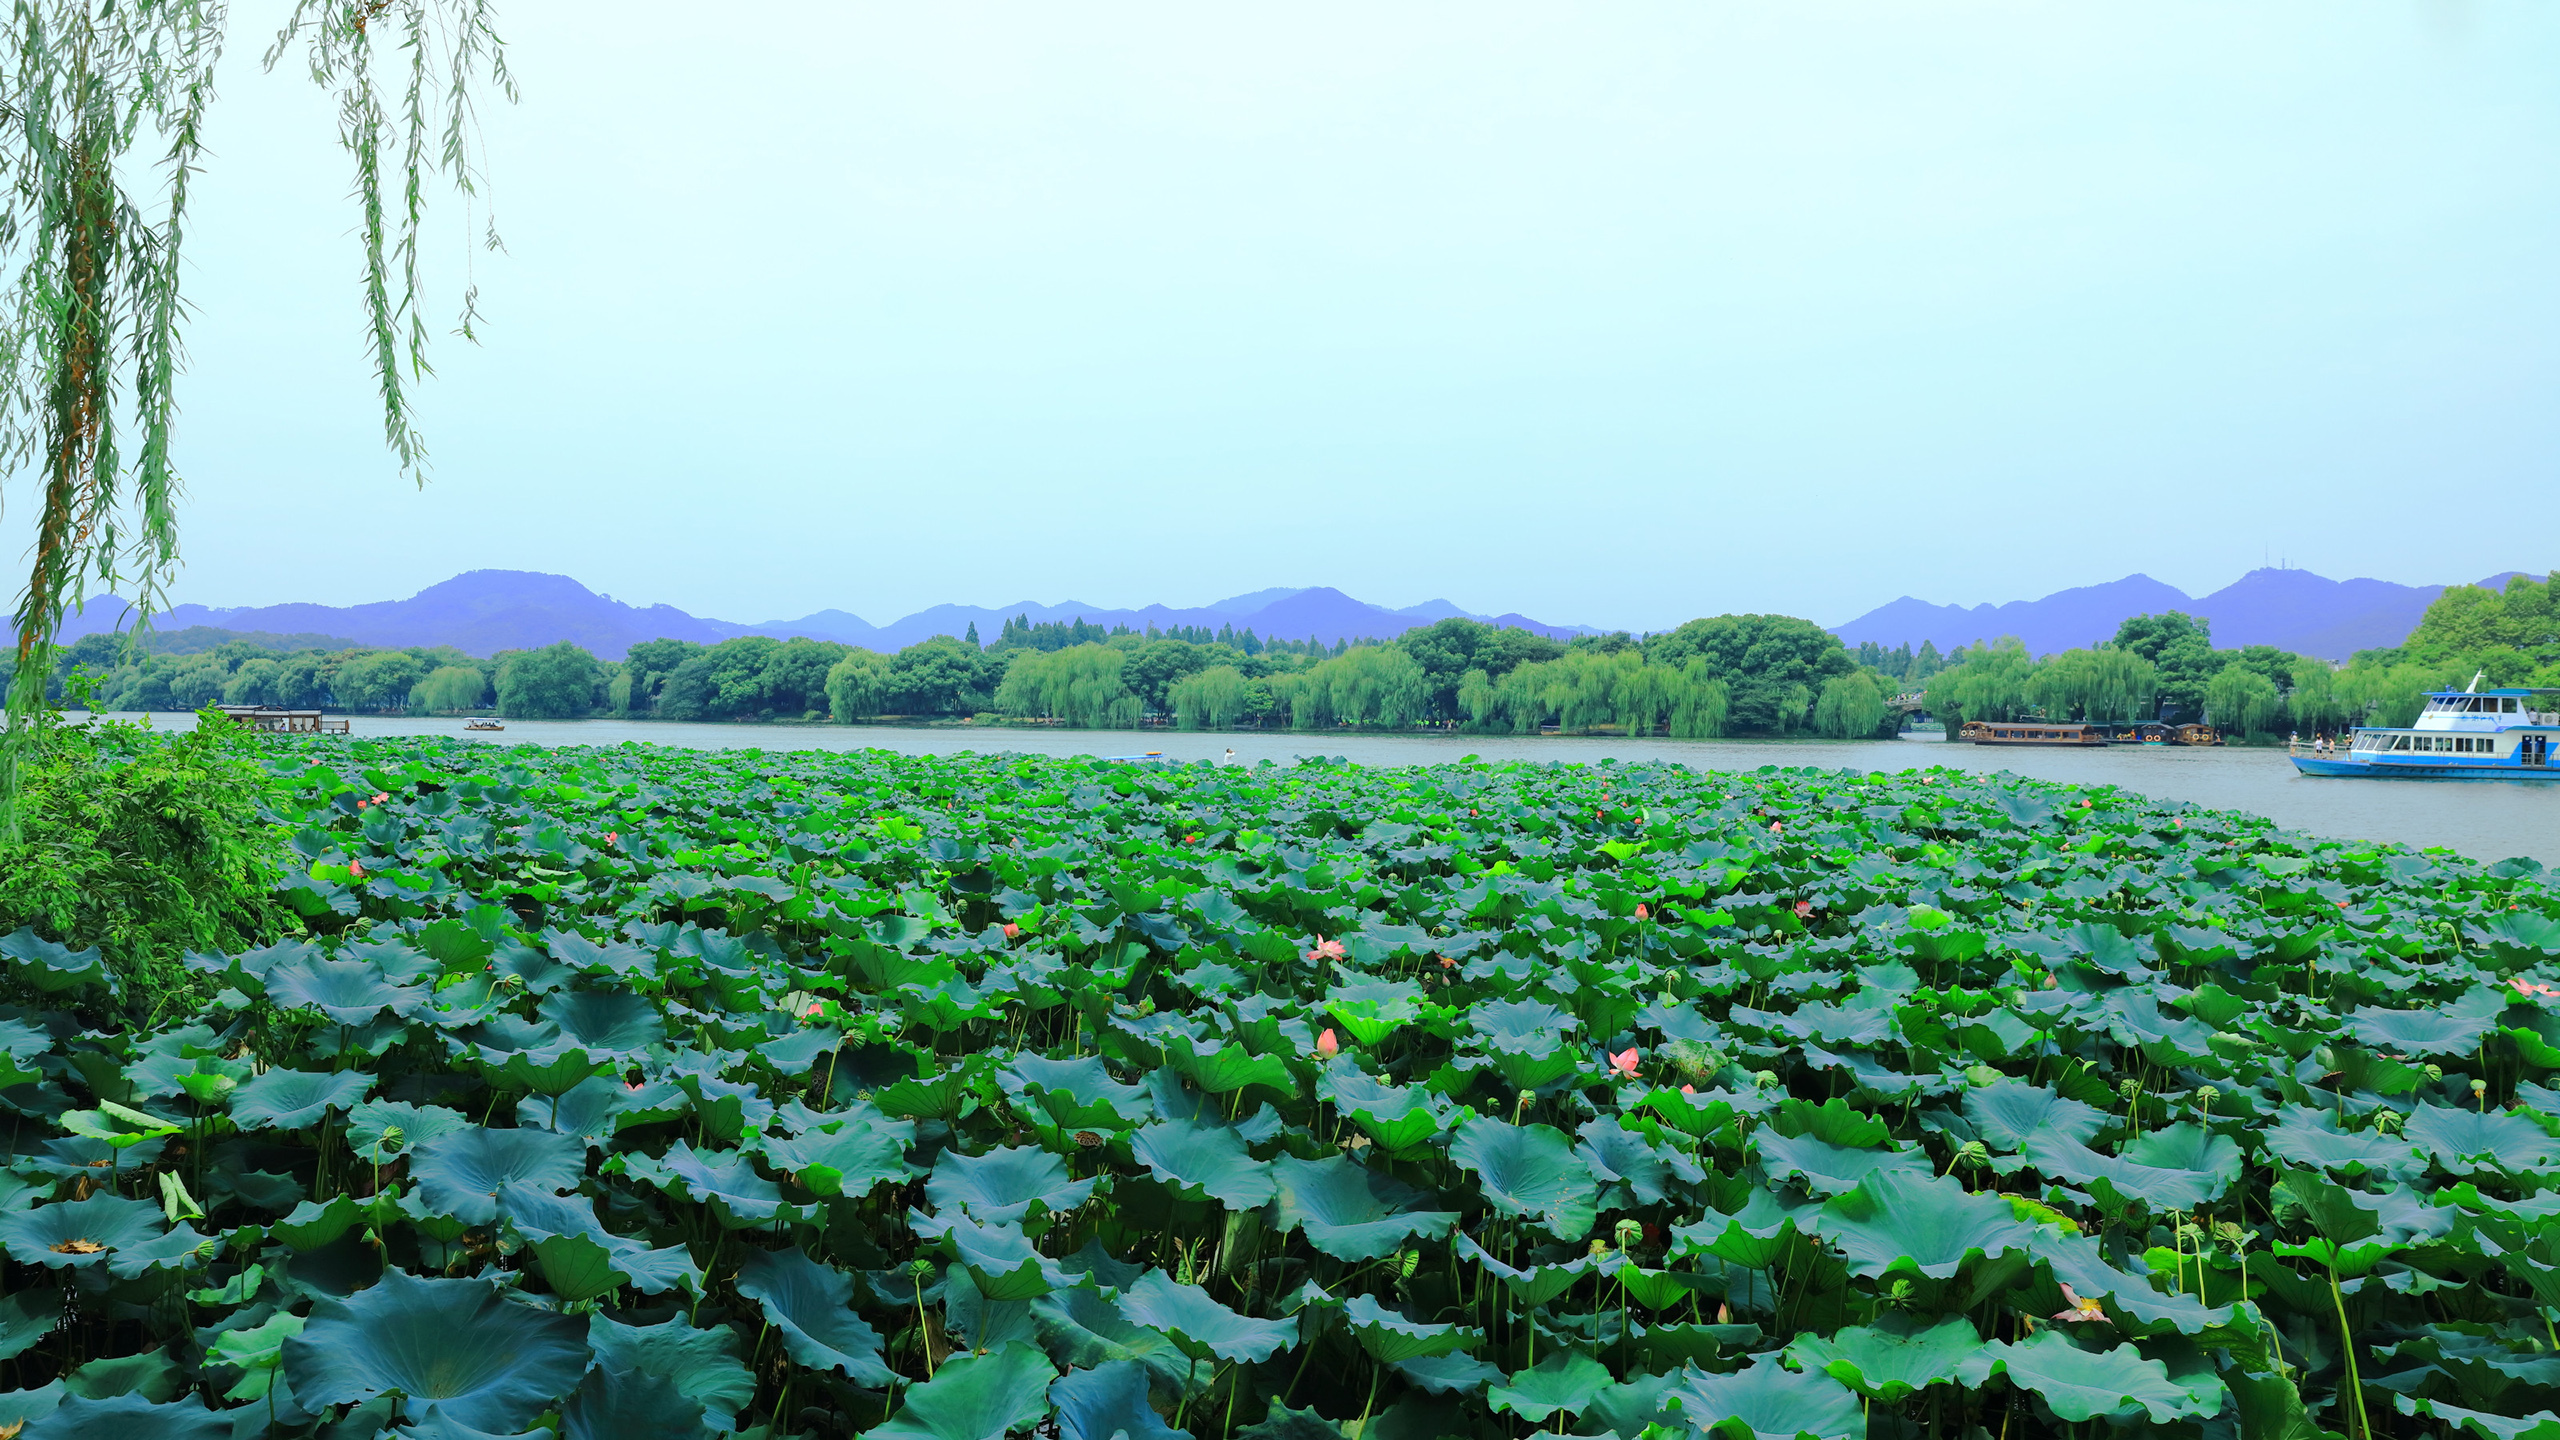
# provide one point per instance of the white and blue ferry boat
(2461, 735)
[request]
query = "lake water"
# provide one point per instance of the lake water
(2487, 820)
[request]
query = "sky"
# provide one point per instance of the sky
(1610, 315)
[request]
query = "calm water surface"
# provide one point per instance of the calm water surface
(2487, 820)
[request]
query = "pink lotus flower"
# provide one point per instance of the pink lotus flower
(2084, 804)
(1777, 829)
(380, 798)
(613, 837)
(1624, 1062)
(2081, 1311)
(1012, 931)
(1326, 950)
(2523, 987)
(1803, 908)
(1688, 1089)
(1327, 1046)
(1448, 964)
(356, 868)
(1641, 912)
(812, 1012)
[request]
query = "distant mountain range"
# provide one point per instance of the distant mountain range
(2290, 609)
(486, 611)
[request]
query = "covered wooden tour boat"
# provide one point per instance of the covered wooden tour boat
(2031, 732)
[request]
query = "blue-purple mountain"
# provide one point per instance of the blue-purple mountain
(485, 611)
(2290, 609)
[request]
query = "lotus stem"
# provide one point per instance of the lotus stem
(2347, 1352)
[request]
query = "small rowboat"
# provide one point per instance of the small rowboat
(483, 723)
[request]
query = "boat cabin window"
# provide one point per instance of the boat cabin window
(2507, 704)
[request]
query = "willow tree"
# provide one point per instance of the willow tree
(102, 124)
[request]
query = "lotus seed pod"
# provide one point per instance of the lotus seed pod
(1528, 1097)
(1629, 1232)
(393, 1137)
(2128, 1088)
(1765, 1077)
(2479, 1087)
(2205, 1096)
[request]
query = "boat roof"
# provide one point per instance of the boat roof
(2450, 694)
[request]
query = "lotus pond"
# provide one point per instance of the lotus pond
(644, 1092)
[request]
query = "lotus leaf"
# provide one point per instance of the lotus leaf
(617, 1404)
(603, 1022)
(1829, 1169)
(1767, 1401)
(456, 1348)
(1349, 1211)
(1891, 1358)
(371, 1123)
(1284, 1423)
(724, 1176)
(1925, 1223)
(1204, 1160)
(55, 968)
(1200, 1326)
(851, 1156)
(465, 1173)
(1082, 1327)
(1564, 1383)
(1390, 1338)
(296, 1099)
(129, 1417)
(704, 1364)
(975, 1397)
(811, 1306)
(69, 1234)
(1002, 1186)
(2465, 1140)
(2163, 1189)
(2007, 1114)
(1107, 1402)
(1530, 1171)
(347, 992)
(1079, 1092)
(1394, 1116)
(2083, 1384)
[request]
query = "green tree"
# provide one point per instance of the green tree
(944, 676)
(795, 675)
(450, 690)
(94, 267)
(556, 682)
(198, 684)
(254, 683)
(2240, 700)
(857, 686)
(1705, 702)
(1081, 684)
(1213, 699)
(2511, 636)
(1771, 664)
(649, 664)
(1157, 666)
(377, 680)
(1850, 707)
(1987, 682)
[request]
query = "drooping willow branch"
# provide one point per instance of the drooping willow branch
(90, 344)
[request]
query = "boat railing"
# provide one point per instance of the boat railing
(2315, 748)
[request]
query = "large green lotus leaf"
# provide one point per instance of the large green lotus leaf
(1751, 1237)
(1767, 1401)
(69, 1234)
(1531, 1171)
(1521, 1027)
(1372, 1010)
(21, 1407)
(1396, 1117)
(2308, 1136)
(1084, 1327)
(705, 1364)
(2540, 1425)
(1349, 1211)
(1390, 1338)
(463, 1173)
(1284, 1423)
(457, 1348)
(2067, 1159)
(2007, 1112)
(1615, 1152)
(618, 1404)
(2083, 1384)
(554, 1071)
(726, 1176)
(55, 968)
(347, 992)
(1199, 1325)
(1533, 1286)
(27, 1316)
(811, 1305)
(580, 1259)
(1002, 1261)
(129, 1417)
(2187, 1146)
(1893, 1357)
(1829, 1169)
(1077, 1093)
(371, 1126)
(1564, 1383)
(2081, 1263)
(2420, 1033)
(592, 1110)
(975, 1397)
(605, 1022)
(1001, 1186)
(852, 1156)
(1220, 1068)
(296, 1099)
(1450, 1374)
(1108, 1402)
(2465, 1141)
(1204, 1160)
(1925, 1223)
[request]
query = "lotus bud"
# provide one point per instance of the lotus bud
(393, 1137)
(2434, 1072)
(1629, 1232)
(1972, 1153)
(1764, 1077)
(2387, 1121)
(1724, 1313)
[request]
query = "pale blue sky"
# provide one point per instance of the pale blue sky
(1614, 314)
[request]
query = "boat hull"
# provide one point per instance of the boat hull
(2384, 770)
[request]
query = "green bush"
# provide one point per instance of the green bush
(146, 845)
